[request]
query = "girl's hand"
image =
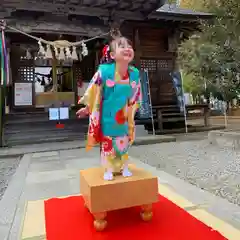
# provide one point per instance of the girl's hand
(131, 137)
(82, 112)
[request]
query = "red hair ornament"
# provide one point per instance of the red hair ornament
(106, 54)
(105, 51)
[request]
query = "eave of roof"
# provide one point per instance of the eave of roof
(171, 11)
(126, 9)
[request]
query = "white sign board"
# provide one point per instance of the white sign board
(64, 113)
(53, 113)
(23, 94)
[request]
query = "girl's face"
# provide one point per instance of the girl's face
(122, 50)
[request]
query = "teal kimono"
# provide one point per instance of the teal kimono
(113, 102)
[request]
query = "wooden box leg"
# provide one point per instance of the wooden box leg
(100, 222)
(146, 213)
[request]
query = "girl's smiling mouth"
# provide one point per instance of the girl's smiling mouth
(127, 54)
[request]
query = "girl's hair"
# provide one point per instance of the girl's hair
(118, 42)
(106, 58)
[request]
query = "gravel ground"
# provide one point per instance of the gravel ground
(209, 167)
(8, 167)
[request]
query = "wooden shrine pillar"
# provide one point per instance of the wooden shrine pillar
(54, 72)
(2, 87)
(97, 57)
(1, 115)
(137, 49)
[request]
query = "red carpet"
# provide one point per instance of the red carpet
(68, 219)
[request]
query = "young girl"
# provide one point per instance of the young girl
(111, 100)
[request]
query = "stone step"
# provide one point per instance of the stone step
(167, 108)
(171, 117)
(191, 129)
(40, 134)
(43, 125)
(16, 142)
(173, 114)
(12, 116)
(52, 129)
(35, 127)
(173, 125)
(35, 119)
(171, 110)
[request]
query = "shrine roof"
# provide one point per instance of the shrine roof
(126, 9)
(173, 12)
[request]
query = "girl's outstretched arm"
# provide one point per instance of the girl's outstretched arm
(91, 95)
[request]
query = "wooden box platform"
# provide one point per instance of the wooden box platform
(103, 196)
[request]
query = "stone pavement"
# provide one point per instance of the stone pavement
(8, 167)
(56, 173)
(209, 167)
(55, 146)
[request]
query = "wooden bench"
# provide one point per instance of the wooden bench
(163, 114)
(203, 110)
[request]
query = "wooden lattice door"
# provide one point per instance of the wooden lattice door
(25, 74)
(161, 84)
(22, 72)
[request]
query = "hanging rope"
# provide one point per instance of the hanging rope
(62, 49)
(24, 33)
(71, 44)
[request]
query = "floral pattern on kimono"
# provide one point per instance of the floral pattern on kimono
(114, 152)
(93, 99)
